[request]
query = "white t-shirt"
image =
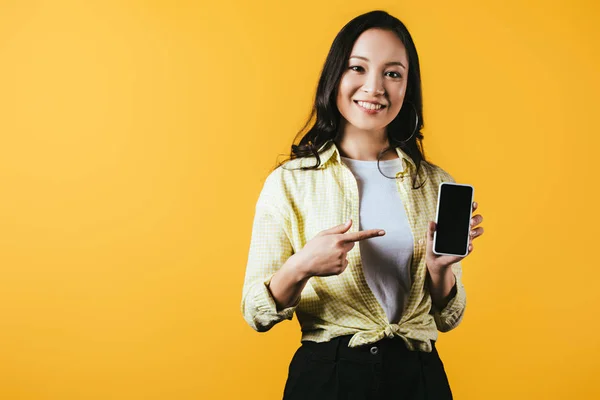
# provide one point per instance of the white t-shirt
(386, 260)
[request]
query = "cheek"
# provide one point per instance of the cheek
(396, 95)
(345, 92)
(348, 85)
(398, 90)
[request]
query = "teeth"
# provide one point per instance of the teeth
(369, 106)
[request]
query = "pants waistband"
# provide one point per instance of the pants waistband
(337, 348)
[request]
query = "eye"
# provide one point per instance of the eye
(395, 74)
(356, 68)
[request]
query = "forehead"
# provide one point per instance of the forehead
(379, 45)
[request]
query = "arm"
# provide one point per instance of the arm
(444, 277)
(448, 297)
(442, 287)
(323, 255)
(275, 275)
(270, 256)
(287, 284)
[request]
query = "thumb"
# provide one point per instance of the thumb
(430, 229)
(339, 228)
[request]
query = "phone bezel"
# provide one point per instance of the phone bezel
(437, 212)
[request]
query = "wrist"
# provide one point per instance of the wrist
(441, 276)
(442, 286)
(298, 268)
(438, 270)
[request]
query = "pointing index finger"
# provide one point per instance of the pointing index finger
(362, 235)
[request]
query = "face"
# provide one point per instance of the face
(372, 88)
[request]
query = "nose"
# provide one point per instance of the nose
(374, 84)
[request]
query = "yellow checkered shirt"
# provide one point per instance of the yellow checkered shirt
(294, 206)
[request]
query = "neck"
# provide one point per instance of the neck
(364, 145)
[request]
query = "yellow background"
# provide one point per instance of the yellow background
(136, 136)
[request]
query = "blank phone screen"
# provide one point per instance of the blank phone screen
(454, 217)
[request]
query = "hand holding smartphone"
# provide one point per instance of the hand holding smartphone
(453, 219)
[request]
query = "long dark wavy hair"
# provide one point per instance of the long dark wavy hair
(324, 120)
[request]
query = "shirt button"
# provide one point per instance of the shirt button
(374, 350)
(420, 241)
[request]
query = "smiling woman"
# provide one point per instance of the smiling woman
(369, 313)
(375, 63)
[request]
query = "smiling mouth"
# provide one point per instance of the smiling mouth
(369, 106)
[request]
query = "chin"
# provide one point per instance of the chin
(367, 127)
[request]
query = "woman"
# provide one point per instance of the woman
(369, 314)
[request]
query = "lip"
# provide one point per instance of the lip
(367, 110)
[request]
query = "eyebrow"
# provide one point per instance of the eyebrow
(386, 64)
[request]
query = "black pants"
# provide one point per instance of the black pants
(383, 370)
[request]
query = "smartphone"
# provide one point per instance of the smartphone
(454, 209)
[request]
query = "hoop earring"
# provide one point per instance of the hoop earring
(416, 123)
(403, 141)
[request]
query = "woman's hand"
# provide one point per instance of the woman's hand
(436, 263)
(325, 254)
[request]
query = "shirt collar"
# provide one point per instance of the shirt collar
(329, 151)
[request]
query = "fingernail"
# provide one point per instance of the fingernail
(381, 233)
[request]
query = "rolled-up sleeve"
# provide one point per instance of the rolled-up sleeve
(450, 316)
(270, 248)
